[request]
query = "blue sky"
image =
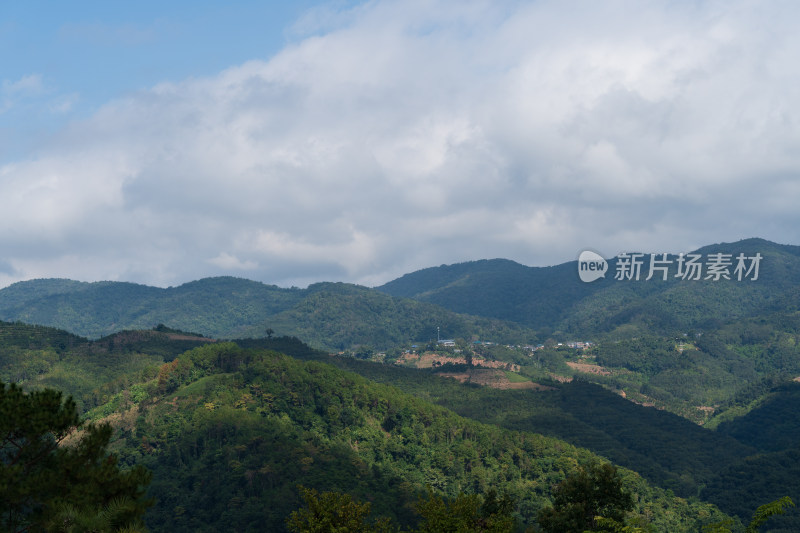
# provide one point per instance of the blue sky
(63, 60)
(294, 142)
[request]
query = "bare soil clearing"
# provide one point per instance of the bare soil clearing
(589, 368)
(492, 378)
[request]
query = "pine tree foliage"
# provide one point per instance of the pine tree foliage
(42, 474)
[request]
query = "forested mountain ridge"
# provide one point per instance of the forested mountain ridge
(213, 306)
(87, 370)
(532, 302)
(556, 299)
(225, 428)
(750, 460)
(332, 316)
(498, 287)
(666, 449)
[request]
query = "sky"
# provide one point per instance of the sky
(297, 142)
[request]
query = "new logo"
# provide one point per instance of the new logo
(591, 266)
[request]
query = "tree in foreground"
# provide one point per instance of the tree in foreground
(334, 512)
(48, 485)
(466, 514)
(591, 500)
(762, 514)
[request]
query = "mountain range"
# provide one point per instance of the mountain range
(555, 299)
(498, 300)
(719, 353)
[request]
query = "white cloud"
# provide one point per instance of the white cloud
(226, 261)
(406, 134)
(63, 103)
(11, 92)
(31, 83)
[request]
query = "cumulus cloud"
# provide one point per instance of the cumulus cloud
(408, 134)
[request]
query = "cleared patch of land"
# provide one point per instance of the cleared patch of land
(431, 359)
(497, 379)
(589, 368)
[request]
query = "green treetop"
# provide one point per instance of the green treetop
(42, 477)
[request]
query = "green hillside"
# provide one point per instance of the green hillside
(749, 461)
(539, 297)
(339, 315)
(89, 371)
(124, 376)
(774, 425)
(213, 306)
(331, 316)
(681, 305)
(707, 376)
(666, 449)
(225, 429)
(554, 298)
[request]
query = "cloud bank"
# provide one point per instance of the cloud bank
(399, 135)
